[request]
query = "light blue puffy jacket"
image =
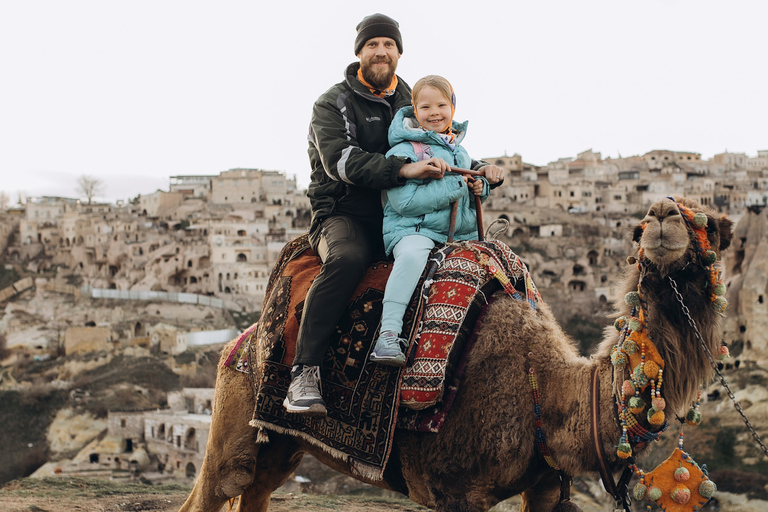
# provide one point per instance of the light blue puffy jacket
(423, 205)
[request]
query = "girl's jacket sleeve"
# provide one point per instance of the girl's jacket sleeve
(420, 197)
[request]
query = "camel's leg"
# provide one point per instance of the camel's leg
(230, 455)
(543, 496)
(277, 460)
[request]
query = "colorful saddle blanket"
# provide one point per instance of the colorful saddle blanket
(362, 397)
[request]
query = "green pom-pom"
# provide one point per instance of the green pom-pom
(700, 219)
(632, 298)
(720, 304)
(620, 323)
(639, 491)
(639, 377)
(624, 450)
(709, 257)
(719, 289)
(635, 325)
(707, 489)
(631, 260)
(693, 417)
(654, 493)
(619, 358)
(636, 404)
(630, 347)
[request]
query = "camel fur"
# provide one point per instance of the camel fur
(486, 452)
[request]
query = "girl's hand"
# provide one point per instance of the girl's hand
(477, 186)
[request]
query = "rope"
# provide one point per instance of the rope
(714, 364)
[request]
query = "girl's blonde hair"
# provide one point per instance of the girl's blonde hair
(439, 83)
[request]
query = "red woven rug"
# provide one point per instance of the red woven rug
(448, 318)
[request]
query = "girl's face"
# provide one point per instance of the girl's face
(433, 110)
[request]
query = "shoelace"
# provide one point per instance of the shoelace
(390, 341)
(310, 380)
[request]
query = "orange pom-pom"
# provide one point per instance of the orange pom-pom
(657, 418)
(651, 369)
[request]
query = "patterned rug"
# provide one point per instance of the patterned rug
(362, 398)
(465, 279)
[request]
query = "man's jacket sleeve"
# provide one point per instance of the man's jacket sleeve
(333, 135)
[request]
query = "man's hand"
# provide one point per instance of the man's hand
(432, 168)
(493, 173)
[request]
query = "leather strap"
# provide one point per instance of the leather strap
(619, 493)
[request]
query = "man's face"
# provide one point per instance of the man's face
(378, 61)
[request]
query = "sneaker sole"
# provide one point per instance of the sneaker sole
(388, 361)
(312, 410)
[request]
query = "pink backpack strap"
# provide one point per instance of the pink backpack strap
(423, 151)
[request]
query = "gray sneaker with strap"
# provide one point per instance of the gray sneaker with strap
(389, 349)
(304, 393)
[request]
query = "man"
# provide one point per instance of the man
(347, 142)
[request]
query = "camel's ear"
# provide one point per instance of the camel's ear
(637, 234)
(726, 232)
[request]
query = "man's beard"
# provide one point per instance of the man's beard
(380, 78)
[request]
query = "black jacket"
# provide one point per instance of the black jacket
(347, 142)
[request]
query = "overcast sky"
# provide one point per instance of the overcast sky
(133, 92)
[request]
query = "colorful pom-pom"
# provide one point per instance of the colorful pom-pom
(630, 347)
(635, 325)
(659, 403)
(619, 358)
(681, 494)
(631, 260)
(632, 298)
(719, 289)
(693, 417)
(651, 369)
(707, 488)
(655, 416)
(700, 219)
(723, 353)
(682, 474)
(627, 389)
(720, 304)
(624, 450)
(620, 323)
(654, 493)
(636, 404)
(709, 257)
(639, 491)
(638, 377)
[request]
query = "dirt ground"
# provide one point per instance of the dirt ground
(172, 503)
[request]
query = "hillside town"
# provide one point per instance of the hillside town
(177, 273)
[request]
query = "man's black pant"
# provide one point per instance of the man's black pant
(346, 246)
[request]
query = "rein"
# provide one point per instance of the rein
(617, 491)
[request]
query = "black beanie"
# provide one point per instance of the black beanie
(377, 25)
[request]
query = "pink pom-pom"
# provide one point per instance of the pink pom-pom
(627, 388)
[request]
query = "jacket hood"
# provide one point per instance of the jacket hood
(405, 127)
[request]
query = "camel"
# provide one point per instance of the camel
(486, 451)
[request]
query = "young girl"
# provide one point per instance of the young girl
(417, 214)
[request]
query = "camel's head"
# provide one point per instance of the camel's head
(668, 234)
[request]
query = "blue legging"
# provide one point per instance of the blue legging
(411, 254)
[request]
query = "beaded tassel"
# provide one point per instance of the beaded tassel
(541, 441)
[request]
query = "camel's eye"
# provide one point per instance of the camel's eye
(673, 212)
(651, 213)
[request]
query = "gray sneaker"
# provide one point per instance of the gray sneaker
(303, 395)
(389, 349)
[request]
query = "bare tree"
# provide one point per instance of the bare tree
(89, 186)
